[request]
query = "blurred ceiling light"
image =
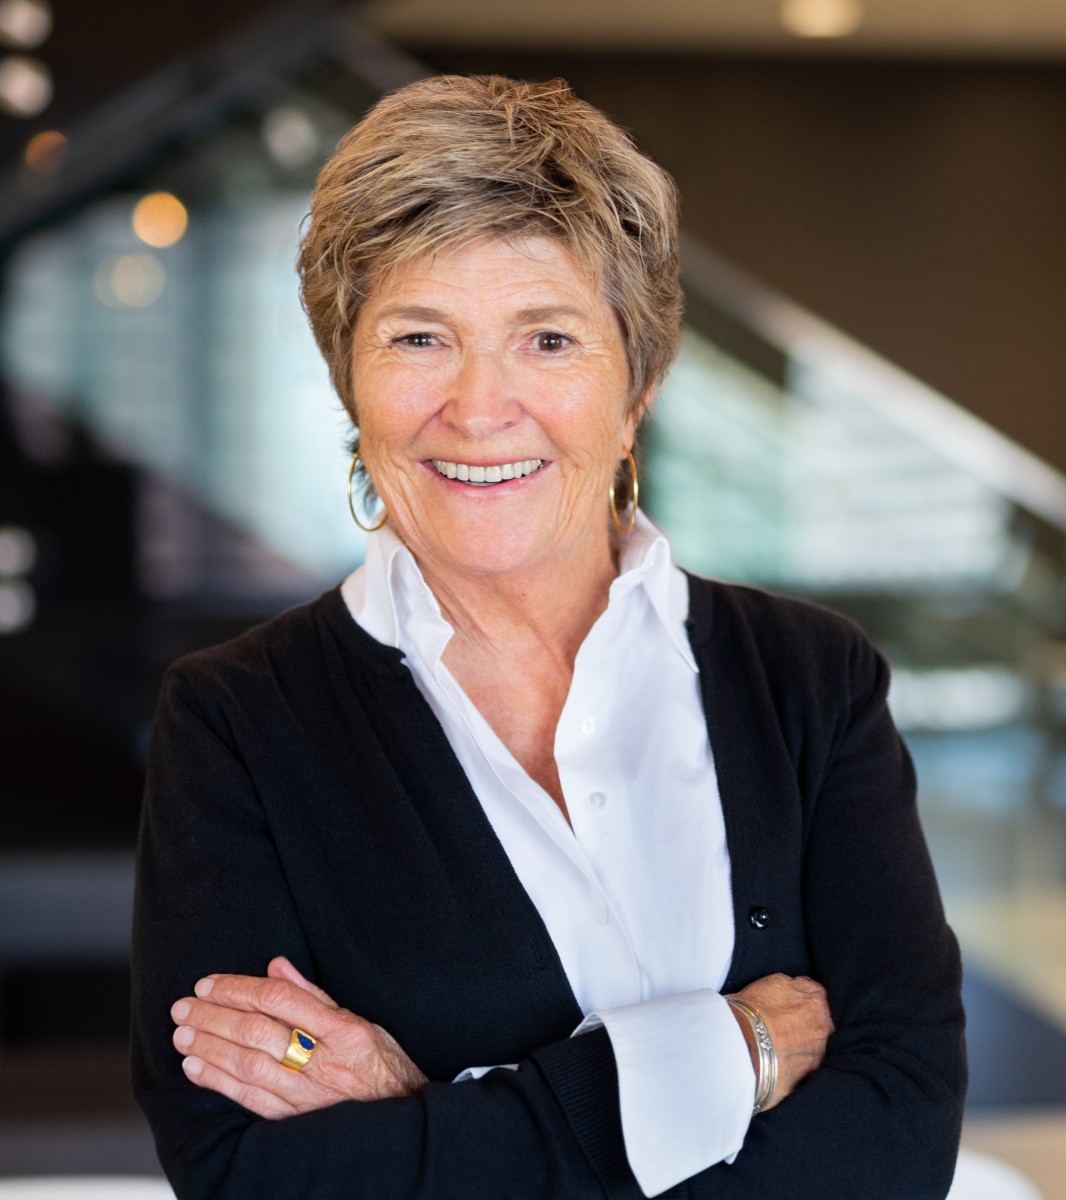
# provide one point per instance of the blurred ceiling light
(290, 136)
(160, 219)
(821, 18)
(45, 151)
(25, 23)
(18, 606)
(25, 86)
(129, 281)
(18, 551)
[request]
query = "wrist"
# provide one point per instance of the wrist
(760, 1047)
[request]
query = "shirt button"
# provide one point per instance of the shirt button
(759, 917)
(597, 800)
(604, 914)
(587, 725)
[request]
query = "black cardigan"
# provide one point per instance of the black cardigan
(303, 800)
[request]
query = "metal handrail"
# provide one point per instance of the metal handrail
(802, 339)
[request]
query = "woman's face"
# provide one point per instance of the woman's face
(491, 383)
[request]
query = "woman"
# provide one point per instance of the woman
(520, 778)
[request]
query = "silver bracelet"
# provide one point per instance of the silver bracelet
(766, 1082)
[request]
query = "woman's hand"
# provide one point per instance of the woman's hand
(796, 1012)
(235, 1030)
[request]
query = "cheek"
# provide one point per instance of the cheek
(597, 421)
(392, 406)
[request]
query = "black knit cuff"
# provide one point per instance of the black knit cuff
(582, 1075)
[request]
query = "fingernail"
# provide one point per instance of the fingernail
(181, 1010)
(204, 986)
(183, 1037)
(193, 1066)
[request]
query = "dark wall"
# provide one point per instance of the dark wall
(920, 207)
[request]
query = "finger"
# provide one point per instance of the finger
(281, 968)
(254, 1030)
(278, 998)
(805, 984)
(247, 1065)
(255, 1099)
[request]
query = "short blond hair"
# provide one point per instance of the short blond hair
(454, 159)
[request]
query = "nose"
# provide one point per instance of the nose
(481, 399)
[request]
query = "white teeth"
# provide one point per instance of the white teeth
(481, 476)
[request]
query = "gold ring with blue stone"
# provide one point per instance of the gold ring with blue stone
(299, 1050)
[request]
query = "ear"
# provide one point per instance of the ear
(636, 415)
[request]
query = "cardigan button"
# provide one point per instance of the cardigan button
(759, 918)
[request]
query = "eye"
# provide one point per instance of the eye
(551, 342)
(415, 340)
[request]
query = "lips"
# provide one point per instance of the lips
(479, 475)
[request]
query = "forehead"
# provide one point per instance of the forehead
(490, 271)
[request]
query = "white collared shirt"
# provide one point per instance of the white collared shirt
(635, 891)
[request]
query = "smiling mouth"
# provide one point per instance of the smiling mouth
(482, 476)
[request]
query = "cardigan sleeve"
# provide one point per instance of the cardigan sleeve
(211, 891)
(881, 1118)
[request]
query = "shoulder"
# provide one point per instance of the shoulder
(290, 654)
(288, 635)
(797, 646)
(719, 609)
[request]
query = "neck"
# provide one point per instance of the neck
(543, 609)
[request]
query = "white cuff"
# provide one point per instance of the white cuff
(469, 1073)
(685, 1082)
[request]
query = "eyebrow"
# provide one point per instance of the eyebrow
(416, 312)
(548, 311)
(410, 312)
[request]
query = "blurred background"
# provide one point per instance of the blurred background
(868, 411)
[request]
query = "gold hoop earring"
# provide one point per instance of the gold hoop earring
(636, 498)
(351, 502)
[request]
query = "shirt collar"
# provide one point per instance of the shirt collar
(389, 597)
(369, 592)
